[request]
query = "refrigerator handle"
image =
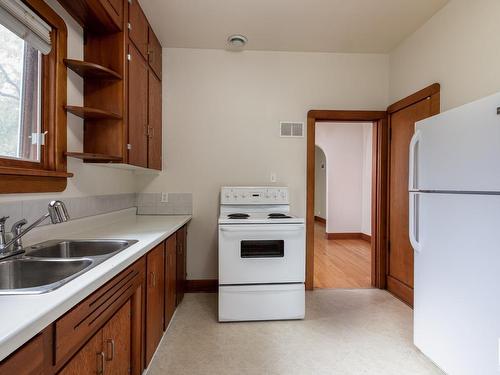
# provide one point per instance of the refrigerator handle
(412, 180)
(414, 221)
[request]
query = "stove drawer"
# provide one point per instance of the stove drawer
(261, 254)
(261, 302)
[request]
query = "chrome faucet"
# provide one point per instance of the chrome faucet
(56, 212)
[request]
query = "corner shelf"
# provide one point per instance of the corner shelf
(96, 158)
(91, 70)
(89, 113)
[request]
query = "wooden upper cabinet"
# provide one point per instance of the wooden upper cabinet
(138, 27)
(181, 263)
(114, 8)
(154, 53)
(155, 123)
(137, 109)
(170, 278)
(116, 342)
(155, 299)
(96, 16)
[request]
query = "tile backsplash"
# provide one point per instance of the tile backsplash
(178, 204)
(78, 207)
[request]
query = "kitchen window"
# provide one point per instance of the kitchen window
(32, 97)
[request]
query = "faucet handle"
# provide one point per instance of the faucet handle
(3, 220)
(17, 226)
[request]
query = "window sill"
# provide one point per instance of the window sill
(19, 180)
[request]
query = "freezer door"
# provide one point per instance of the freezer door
(458, 150)
(457, 281)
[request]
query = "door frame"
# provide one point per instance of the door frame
(379, 187)
(432, 93)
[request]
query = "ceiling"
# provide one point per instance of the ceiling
(349, 26)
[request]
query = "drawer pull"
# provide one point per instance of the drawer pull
(100, 363)
(110, 349)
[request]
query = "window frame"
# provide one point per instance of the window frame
(50, 173)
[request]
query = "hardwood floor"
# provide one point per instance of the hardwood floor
(340, 263)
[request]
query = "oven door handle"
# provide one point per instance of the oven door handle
(261, 228)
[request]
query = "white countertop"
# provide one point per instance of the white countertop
(26, 315)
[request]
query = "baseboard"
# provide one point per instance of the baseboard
(366, 237)
(400, 290)
(343, 236)
(319, 219)
(201, 286)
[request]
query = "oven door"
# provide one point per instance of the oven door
(261, 253)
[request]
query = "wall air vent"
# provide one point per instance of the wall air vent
(291, 129)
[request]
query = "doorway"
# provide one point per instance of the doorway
(343, 192)
(378, 121)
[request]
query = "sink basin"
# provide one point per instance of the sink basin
(77, 248)
(30, 276)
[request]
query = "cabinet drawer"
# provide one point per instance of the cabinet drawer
(28, 360)
(80, 323)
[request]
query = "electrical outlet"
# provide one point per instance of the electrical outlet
(273, 177)
(164, 197)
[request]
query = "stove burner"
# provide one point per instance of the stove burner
(279, 216)
(238, 216)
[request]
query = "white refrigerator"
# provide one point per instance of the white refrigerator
(454, 189)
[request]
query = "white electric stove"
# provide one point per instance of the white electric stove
(261, 256)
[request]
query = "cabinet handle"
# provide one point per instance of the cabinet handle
(100, 363)
(153, 279)
(110, 343)
(151, 56)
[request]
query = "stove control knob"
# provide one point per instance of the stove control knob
(227, 195)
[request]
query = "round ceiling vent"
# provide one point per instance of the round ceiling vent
(237, 41)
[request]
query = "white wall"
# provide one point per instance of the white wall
(88, 179)
(319, 183)
(348, 152)
(221, 125)
(458, 47)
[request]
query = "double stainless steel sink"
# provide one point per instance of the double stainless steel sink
(49, 265)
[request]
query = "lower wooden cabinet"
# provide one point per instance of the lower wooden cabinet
(115, 330)
(155, 299)
(181, 263)
(170, 278)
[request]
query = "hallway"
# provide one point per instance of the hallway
(340, 263)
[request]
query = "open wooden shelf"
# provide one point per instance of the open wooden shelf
(89, 113)
(91, 70)
(96, 158)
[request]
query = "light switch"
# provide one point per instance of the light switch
(273, 177)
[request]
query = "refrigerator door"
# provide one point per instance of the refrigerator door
(458, 150)
(457, 281)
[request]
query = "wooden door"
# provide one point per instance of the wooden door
(402, 126)
(138, 27)
(155, 299)
(155, 123)
(181, 263)
(137, 108)
(170, 278)
(90, 360)
(116, 342)
(154, 53)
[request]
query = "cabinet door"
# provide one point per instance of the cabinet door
(138, 27)
(116, 342)
(154, 53)
(181, 263)
(155, 124)
(137, 109)
(28, 360)
(170, 279)
(155, 299)
(89, 360)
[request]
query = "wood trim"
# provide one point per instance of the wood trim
(201, 286)
(399, 290)
(54, 89)
(319, 219)
(366, 237)
(427, 92)
(344, 236)
(379, 188)
(347, 116)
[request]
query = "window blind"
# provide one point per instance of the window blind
(22, 21)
